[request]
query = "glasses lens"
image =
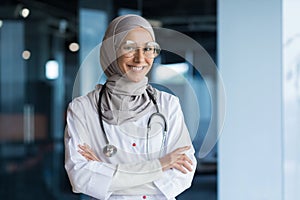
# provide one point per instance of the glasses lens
(152, 50)
(128, 49)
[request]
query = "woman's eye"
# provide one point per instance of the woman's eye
(147, 49)
(128, 48)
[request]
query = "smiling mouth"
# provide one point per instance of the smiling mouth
(135, 68)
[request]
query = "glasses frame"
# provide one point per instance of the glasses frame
(129, 49)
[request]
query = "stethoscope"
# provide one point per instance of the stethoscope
(109, 150)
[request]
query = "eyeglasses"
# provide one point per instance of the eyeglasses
(129, 48)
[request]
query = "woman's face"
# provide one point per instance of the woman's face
(135, 64)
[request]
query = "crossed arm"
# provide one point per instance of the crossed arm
(176, 159)
(171, 174)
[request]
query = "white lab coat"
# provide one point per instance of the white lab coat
(133, 172)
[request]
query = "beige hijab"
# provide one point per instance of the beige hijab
(123, 100)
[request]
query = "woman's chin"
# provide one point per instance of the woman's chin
(135, 79)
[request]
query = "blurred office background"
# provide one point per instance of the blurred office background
(48, 55)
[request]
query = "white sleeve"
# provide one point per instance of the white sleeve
(88, 177)
(173, 181)
(131, 175)
(99, 179)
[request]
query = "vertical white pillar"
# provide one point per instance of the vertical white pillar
(250, 58)
(291, 98)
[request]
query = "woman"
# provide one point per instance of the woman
(115, 147)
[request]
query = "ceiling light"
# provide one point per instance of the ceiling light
(26, 54)
(52, 70)
(74, 47)
(24, 12)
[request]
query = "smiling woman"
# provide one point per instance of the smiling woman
(126, 139)
(136, 54)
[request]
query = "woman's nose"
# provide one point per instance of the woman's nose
(139, 55)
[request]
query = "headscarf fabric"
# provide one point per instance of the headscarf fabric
(123, 100)
(115, 33)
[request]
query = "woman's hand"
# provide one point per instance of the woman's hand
(178, 160)
(87, 152)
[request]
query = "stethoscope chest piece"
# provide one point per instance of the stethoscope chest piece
(109, 150)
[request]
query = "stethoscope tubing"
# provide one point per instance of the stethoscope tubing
(157, 113)
(100, 114)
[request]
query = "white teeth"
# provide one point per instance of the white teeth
(137, 68)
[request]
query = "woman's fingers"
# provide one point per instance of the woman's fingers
(183, 164)
(180, 168)
(187, 159)
(86, 155)
(186, 165)
(181, 149)
(177, 159)
(89, 156)
(87, 152)
(85, 148)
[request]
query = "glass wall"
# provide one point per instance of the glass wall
(40, 61)
(36, 69)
